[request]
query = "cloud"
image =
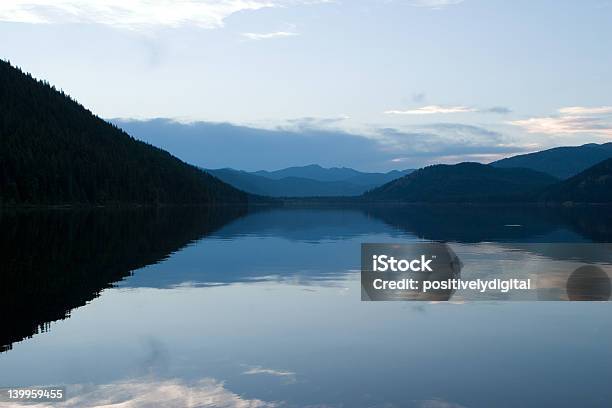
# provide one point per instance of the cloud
(502, 110)
(268, 36)
(322, 141)
(435, 4)
(419, 97)
(431, 109)
(582, 110)
(571, 120)
(448, 143)
(133, 14)
(299, 142)
(147, 393)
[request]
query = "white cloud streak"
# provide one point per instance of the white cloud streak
(269, 36)
(133, 14)
(435, 4)
(571, 120)
(431, 109)
(582, 110)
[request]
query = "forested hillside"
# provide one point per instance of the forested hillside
(464, 182)
(561, 162)
(594, 185)
(54, 151)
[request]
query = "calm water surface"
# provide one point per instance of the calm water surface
(226, 308)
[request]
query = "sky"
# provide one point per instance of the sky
(370, 84)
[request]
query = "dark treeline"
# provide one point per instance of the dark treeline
(594, 185)
(55, 261)
(486, 184)
(54, 151)
(463, 182)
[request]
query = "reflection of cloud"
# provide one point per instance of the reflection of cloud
(431, 109)
(146, 393)
(437, 403)
(132, 14)
(571, 120)
(288, 375)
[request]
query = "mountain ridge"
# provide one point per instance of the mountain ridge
(462, 183)
(562, 162)
(54, 151)
(306, 181)
(594, 185)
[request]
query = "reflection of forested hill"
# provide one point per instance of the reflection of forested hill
(316, 244)
(55, 261)
(499, 223)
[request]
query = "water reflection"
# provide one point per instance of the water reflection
(265, 309)
(471, 224)
(151, 392)
(55, 261)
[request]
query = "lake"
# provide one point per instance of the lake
(259, 308)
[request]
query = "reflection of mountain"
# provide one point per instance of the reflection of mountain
(476, 224)
(306, 181)
(317, 244)
(561, 162)
(56, 261)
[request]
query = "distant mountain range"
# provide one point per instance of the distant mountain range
(463, 182)
(54, 151)
(561, 162)
(306, 181)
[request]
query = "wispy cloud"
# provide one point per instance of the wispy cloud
(435, 4)
(448, 143)
(437, 109)
(133, 14)
(571, 120)
(502, 110)
(431, 109)
(268, 36)
(583, 110)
